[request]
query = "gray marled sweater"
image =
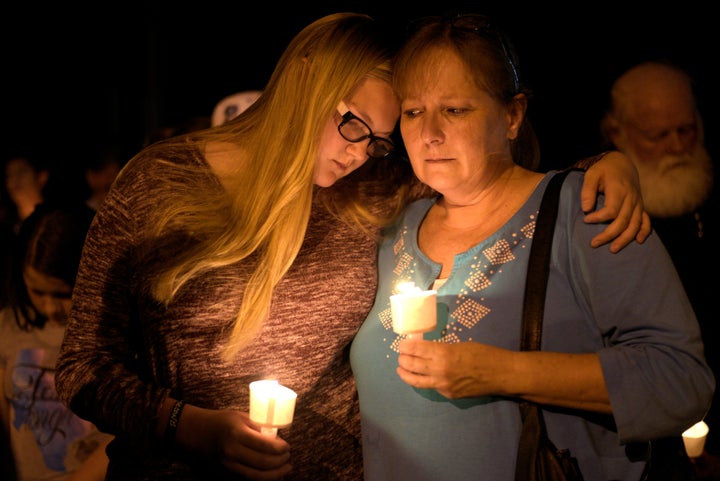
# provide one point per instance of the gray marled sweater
(123, 352)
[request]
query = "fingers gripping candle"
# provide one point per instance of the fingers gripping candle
(413, 310)
(272, 406)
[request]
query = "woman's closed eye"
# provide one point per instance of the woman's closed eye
(411, 113)
(456, 110)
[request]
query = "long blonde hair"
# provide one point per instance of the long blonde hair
(265, 215)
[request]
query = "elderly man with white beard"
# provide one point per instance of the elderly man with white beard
(654, 119)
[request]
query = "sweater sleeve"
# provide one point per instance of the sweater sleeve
(652, 353)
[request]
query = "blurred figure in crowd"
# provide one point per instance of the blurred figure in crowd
(101, 168)
(654, 119)
(48, 441)
(24, 181)
(233, 105)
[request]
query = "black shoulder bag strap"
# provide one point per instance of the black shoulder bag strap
(539, 265)
(538, 459)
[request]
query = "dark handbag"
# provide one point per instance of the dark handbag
(538, 459)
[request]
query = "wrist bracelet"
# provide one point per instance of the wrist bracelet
(173, 420)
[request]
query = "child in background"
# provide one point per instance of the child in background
(47, 440)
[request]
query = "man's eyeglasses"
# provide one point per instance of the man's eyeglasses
(354, 129)
(480, 24)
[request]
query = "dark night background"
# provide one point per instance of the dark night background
(73, 77)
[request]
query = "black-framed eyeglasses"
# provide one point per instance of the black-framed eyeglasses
(354, 129)
(480, 24)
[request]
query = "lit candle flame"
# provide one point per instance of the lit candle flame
(272, 405)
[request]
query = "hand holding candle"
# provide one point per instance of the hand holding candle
(413, 310)
(272, 406)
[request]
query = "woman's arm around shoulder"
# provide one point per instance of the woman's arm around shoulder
(613, 174)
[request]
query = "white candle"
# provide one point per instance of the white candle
(272, 405)
(413, 310)
(694, 439)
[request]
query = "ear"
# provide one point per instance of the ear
(516, 114)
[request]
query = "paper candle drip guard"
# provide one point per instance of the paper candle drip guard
(272, 405)
(413, 310)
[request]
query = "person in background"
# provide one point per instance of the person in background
(25, 178)
(233, 105)
(618, 365)
(101, 168)
(191, 124)
(248, 251)
(653, 118)
(47, 440)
